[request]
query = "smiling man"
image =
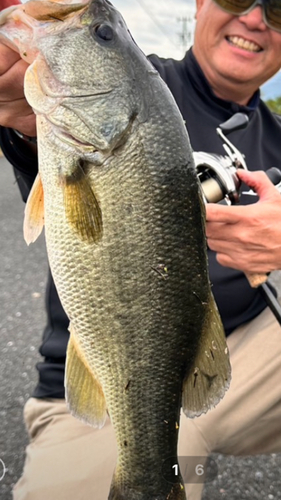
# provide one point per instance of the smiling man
(237, 53)
(237, 48)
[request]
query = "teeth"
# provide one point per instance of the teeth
(244, 44)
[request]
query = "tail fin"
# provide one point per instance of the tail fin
(173, 492)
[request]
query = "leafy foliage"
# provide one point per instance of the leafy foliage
(274, 105)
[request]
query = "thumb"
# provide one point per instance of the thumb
(259, 182)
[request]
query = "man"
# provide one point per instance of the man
(231, 57)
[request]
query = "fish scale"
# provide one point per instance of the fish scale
(119, 197)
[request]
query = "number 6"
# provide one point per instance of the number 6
(199, 469)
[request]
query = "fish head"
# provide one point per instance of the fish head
(86, 74)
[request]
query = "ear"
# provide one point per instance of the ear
(199, 5)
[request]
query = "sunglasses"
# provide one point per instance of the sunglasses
(271, 10)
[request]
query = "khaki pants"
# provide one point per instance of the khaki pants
(67, 460)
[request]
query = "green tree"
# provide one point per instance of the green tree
(274, 105)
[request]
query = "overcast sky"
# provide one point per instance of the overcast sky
(156, 25)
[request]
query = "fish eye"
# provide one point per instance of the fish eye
(104, 32)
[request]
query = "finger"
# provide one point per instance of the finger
(248, 266)
(11, 83)
(222, 232)
(18, 115)
(243, 234)
(236, 244)
(8, 58)
(259, 182)
(16, 108)
(222, 213)
(227, 260)
(26, 125)
(215, 230)
(221, 246)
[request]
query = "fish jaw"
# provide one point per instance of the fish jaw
(22, 25)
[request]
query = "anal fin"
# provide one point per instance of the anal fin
(84, 394)
(209, 377)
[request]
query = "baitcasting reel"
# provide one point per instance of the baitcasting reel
(220, 184)
(218, 174)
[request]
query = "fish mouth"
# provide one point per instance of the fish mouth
(69, 139)
(243, 43)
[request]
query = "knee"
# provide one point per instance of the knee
(193, 441)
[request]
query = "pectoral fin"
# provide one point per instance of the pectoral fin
(34, 212)
(209, 378)
(81, 206)
(84, 394)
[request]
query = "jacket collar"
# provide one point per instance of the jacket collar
(202, 86)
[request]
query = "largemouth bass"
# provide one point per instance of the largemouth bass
(124, 222)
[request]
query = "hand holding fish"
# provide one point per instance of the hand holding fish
(15, 112)
(248, 237)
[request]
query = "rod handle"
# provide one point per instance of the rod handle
(256, 279)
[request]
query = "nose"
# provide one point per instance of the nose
(254, 19)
